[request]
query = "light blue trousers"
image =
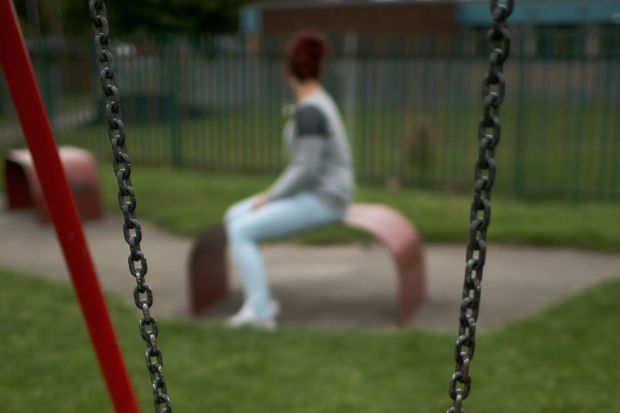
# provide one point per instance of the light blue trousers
(246, 227)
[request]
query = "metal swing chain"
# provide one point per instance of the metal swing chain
(143, 295)
(489, 131)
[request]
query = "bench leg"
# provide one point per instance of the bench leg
(412, 288)
(208, 270)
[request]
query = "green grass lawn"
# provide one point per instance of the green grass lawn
(186, 202)
(561, 361)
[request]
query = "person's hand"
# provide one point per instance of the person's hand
(260, 201)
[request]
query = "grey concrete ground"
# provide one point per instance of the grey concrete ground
(322, 286)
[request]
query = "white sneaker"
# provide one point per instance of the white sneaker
(246, 317)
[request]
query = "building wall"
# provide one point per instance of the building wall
(546, 13)
(386, 18)
(430, 16)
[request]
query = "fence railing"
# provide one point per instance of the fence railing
(410, 104)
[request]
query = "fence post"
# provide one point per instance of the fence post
(615, 146)
(350, 80)
(170, 56)
(519, 140)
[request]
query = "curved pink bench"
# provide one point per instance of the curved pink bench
(208, 267)
(24, 191)
(401, 239)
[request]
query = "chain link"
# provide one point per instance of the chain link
(132, 231)
(489, 132)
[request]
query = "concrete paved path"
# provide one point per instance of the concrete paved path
(342, 286)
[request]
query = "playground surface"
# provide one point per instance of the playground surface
(335, 286)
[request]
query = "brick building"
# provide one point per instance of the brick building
(418, 16)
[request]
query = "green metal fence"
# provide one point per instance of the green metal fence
(411, 106)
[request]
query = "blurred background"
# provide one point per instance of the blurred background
(202, 87)
(204, 99)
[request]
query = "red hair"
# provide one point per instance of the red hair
(305, 52)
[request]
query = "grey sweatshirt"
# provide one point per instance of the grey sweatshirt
(319, 152)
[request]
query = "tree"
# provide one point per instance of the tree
(140, 16)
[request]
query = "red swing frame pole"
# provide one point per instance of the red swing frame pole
(21, 80)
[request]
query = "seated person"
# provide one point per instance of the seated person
(314, 190)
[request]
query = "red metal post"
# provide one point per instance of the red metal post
(37, 130)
